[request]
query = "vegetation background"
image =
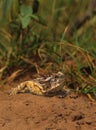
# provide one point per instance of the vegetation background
(47, 36)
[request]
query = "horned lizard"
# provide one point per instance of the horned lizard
(42, 86)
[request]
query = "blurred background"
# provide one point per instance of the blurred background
(35, 28)
(47, 36)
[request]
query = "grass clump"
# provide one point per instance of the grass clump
(53, 38)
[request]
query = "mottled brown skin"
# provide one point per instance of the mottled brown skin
(42, 86)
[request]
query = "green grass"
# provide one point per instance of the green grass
(41, 42)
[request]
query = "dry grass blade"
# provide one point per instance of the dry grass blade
(88, 24)
(2, 70)
(31, 63)
(90, 97)
(14, 75)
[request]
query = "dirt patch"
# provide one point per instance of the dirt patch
(31, 112)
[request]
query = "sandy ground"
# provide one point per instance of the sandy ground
(31, 112)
